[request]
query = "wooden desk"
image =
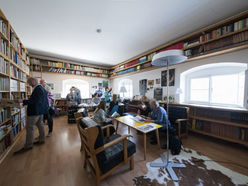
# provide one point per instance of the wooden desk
(131, 123)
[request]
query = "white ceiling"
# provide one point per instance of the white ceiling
(129, 27)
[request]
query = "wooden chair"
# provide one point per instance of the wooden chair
(104, 156)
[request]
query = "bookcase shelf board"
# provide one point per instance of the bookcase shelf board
(220, 137)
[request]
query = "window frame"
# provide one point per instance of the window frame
(196, 73)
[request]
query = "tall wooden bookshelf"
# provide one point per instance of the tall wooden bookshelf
(225, 36)
(46, 65)
(14, 69)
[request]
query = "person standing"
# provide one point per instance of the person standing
(50, 113)
(99, 92)
(77, 94)
(37, 106)
(107, 94)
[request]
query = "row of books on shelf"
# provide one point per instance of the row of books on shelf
(133, 69)
(15, 57)
(4, 66)
(4, 47)
(230, 40)
(214, 34)
(134, 62)
(3, 27)
(23, 113)
(9, 135)
(14, 110)
(76, 72)
(15, 119)
(13, 85)
(222, 115)
(146, 58)
(17, 73)
(238, 133)
(14, 40)
(4, 84)
(4, 114)
(221, 43)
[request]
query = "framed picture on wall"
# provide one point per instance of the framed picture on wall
(104, 84)
(158, 81)
(171, 78)
(143, 86)
(158, 93)
(150, 83)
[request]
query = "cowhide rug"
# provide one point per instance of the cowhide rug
(200, 170)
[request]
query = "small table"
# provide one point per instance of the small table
(131, 123)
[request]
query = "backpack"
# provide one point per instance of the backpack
(175, 143)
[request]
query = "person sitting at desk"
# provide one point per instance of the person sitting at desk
(96, 100)
(100, 115)
(112, 103)
(158, 116)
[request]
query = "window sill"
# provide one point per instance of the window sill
(214, 107)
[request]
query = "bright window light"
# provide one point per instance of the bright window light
(220, 84)
(82, 85)
(199, 89)
(128, 83)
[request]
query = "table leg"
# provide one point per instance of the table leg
(158, 141)
(116, 129)
(144, 134)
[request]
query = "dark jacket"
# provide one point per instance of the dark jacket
(38, 102)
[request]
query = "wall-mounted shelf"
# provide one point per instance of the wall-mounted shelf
(225, 36)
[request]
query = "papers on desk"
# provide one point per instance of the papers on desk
(114, 115)
(147, 127)
(138, 119)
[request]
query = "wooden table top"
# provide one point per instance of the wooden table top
(127, 120)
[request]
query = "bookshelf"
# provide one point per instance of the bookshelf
(14, 70)
(228, 124)
(224, 124)
(225, 36)
(61, 105)
(44, 65)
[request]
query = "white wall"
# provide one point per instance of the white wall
(57, 80)
(237, 56)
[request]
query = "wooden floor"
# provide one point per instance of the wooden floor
(59, 161)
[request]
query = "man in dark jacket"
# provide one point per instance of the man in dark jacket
(37, 107)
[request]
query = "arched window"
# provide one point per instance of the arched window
(220, 84)
(82, 85)
(128, 84)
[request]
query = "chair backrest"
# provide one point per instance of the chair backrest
(177, 112)
(114, 109)
(91, 136)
